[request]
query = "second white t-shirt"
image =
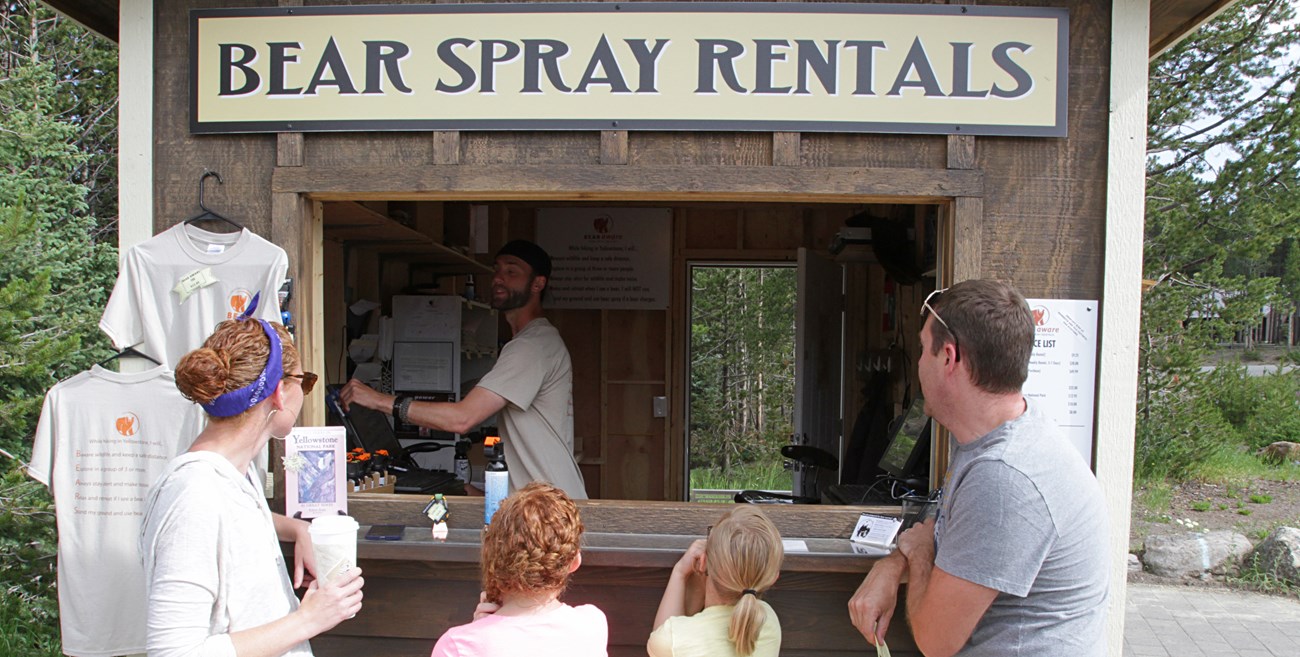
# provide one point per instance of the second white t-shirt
(102, 440)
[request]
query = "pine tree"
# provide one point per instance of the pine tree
(57, 94)
(1223, 145)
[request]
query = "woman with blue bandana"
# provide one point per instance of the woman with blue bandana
(215, 578)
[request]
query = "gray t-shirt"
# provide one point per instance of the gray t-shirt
(534, 375)
(1023, 514)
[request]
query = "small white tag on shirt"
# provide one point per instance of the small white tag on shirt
(214, 249)
(193, 282)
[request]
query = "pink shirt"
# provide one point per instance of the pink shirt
(564, 631)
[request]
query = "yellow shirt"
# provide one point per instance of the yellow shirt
(705, 635)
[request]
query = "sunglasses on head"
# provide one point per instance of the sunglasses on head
(927, 309)
(308, 381)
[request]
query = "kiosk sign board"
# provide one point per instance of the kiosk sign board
(930, 69)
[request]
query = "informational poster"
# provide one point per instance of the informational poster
(1063, 369)
(607, 258)
(315, 472)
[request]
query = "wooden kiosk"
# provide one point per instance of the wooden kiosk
(367, 203)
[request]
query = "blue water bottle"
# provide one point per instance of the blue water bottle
(496, 478)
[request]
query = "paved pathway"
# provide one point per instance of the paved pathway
(1180, 621)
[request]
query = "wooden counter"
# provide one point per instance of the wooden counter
(418, 587)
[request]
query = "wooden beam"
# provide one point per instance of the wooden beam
(961, 151)
(289, 149)
(785, 149)
(613, 147)
(967, 222)
(446, 147)
(631, 183)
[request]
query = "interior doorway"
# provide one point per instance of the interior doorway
(741, 373)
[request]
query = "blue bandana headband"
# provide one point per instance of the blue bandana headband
(232, 403)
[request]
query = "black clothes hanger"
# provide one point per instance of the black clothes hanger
(129, 351)
(207, 213)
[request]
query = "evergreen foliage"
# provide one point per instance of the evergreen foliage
(29, 607)
(57, 206)
(742, 366)
(1222, 204)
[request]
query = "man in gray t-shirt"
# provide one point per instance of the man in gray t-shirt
(1016, 563)
(531, 384)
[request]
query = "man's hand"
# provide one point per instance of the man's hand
(917, 543)
(872, 605)
(356, 392)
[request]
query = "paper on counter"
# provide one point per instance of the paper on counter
(794, 545)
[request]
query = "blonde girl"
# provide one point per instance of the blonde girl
(713, 603)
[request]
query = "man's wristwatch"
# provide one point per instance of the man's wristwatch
(401, 406)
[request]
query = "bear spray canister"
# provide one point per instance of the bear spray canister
(462, 468)
(496, 479)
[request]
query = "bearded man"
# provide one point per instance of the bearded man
(531, 384)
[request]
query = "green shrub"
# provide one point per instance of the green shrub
(1276, 414)
(1255, 576)
(1200, 506)
(1182, 427)
(1234, 392)
(1261, 499)
(29, 606)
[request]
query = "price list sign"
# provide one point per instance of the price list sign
(1063, 368)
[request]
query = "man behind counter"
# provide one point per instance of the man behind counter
(531, 384)
(1016, 563)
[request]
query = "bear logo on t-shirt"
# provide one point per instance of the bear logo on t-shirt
(127, 424)
(238, 303)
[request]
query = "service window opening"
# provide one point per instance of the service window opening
(740, 397)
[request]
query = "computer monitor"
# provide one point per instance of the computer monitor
(909, 444)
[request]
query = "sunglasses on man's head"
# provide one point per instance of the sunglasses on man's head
(308, 381)
(927, 309)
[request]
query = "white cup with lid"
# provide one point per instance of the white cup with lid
(334, 540)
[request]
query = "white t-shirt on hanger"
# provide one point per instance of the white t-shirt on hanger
(147, 312)
(102, 440)
(224, 270)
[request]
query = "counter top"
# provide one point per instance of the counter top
(647, 550)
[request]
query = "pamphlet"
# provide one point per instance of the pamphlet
(315, 472)
(877, 531)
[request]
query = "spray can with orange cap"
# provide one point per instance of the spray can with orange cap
(496, 478)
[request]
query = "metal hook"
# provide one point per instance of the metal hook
(202, 180)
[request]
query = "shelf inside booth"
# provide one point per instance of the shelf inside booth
(357, 226)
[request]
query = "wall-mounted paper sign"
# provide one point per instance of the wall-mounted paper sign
(607, 258)
(1063, 369)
